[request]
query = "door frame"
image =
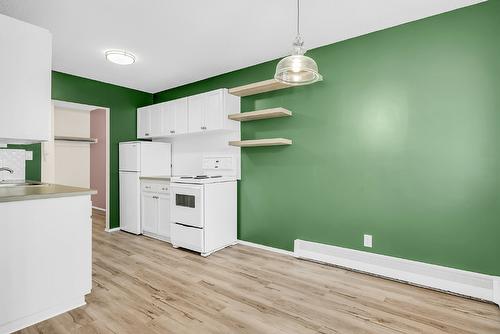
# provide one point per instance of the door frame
(86, 107)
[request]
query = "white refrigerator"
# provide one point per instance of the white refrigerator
(136, 159)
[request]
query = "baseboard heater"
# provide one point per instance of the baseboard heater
(466, 283)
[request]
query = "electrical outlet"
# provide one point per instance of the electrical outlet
(368, 240)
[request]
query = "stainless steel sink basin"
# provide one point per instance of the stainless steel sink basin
(21, 184)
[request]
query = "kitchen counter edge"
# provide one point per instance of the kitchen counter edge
(26, 193)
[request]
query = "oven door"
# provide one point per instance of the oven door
(187, 204)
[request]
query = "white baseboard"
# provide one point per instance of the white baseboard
(271, 249)
(98, 209)
(44, 315)
(457, 281)
(116, 229)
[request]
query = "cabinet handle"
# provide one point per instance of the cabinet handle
(147, 134)
(203, 127)
(172, 131)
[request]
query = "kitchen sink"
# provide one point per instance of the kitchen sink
(21, 184)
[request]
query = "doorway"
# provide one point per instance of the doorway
(78, 153)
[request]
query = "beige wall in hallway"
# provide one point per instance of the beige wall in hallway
(72, 160)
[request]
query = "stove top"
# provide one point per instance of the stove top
(202, 179)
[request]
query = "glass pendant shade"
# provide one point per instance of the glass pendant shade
(297, 70)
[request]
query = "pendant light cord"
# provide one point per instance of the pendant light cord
(298, 43)
(298, 17)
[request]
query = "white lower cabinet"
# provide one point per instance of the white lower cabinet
(155, 209)
(149, 209)
(164, 215)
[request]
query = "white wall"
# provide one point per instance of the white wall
(188, 152)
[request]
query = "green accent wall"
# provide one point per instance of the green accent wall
(399, 141)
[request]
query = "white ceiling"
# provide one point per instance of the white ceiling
(182, 41)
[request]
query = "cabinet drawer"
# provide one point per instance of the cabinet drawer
(150, 187)
(187, 237)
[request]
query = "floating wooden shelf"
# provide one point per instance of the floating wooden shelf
(260, 114)
(261, 142)
(76, 139)
(258, 87)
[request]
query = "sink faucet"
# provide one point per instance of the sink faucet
(7, 169)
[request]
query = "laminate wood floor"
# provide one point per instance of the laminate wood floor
(141, 285)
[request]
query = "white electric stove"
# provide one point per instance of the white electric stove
(203, 212)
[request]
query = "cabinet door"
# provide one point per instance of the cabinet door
(168, 119)
(144, 122)
(213, 110)
(156, 121)
(196, 105)
(180, 115)
(149, 210)
(25, 81)
(164, 215)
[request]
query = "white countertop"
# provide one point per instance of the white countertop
(43, 191)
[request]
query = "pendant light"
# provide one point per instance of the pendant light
(297, 69)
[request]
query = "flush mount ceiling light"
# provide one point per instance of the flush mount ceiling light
(297, 69)
(120, 57)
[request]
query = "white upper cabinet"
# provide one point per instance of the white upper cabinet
(196, 105)
(156, 121)
(144, 122)
(203, 112)
(175, 117)
(209, 111)
(214, 111)
(149, 121)
(25, 82)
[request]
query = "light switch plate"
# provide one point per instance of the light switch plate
(29, 155)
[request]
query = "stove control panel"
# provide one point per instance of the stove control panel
(214, 163)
